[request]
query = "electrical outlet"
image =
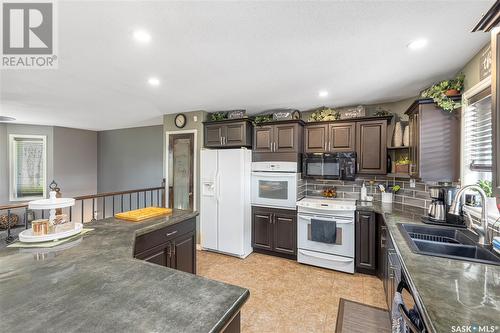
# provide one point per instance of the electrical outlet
(195, 118)
(412, 183)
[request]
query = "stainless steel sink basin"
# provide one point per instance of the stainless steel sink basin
(446, 242)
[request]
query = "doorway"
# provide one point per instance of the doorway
(181, 169)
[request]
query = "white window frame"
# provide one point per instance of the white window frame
(13, 166)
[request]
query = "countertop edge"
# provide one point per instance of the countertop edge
(229, 315)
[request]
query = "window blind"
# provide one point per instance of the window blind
(29, 176)
(479, 132)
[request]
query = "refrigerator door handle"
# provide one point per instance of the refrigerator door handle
(217, 187)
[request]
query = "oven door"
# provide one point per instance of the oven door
(344, 244)
(274, 189)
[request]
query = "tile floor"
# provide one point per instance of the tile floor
(286, 296)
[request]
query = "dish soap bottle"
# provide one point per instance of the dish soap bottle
(363, 192)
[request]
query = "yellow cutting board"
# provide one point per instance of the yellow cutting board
(138, 215)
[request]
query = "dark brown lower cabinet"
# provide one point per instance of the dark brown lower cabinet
(274, 231)
(173, 246)
(366, 242)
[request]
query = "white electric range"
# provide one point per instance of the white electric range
(326, 233)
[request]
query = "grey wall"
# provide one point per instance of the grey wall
(130, 158)
(4, 167)
(71, 158)
(472, 69)
(75, 161)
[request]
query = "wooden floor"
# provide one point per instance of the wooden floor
(286, 296)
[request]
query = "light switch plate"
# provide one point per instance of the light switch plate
(195, 118)
(412, 183)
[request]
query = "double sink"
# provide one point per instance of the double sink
(446, 242)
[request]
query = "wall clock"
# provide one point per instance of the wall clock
(180, 120)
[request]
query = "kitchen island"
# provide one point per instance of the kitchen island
(451, 294)
(93, 284)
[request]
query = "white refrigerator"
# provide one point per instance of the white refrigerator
(225, 211)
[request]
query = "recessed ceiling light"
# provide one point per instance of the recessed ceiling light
(323, 93)
(154, 81)
(142, 36)
(5, 118)
(417, 44)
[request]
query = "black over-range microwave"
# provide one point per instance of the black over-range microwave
(329, 166)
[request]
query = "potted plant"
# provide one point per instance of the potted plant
(491, 201)
(263, 118)
(403, 165)
(324, 114)
(217, 116)
(441, 93)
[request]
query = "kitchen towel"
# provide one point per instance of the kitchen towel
(398, 324)
(323, 231)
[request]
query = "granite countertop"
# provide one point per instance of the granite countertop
(94, 284)
(451, 292)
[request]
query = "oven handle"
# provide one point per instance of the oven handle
(309, 218)
(324, 256)
(283, 174)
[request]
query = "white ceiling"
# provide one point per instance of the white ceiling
(226, 55)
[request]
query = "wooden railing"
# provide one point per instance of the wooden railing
(87, 208)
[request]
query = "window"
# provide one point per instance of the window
(477, 135)
(28, 165)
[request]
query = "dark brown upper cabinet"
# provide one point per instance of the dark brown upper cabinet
(278, 137)
(330, 137)
(316, 138)
(228, 133)
(341, 137)
(371, 146)
(434, 142)
(263, 139)
(274, 231)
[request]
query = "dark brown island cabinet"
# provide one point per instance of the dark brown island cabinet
(278, 141)
(274, 231)
(173, 246)
(434, 141)
(232, 133)
(330, 137)
(366, 242)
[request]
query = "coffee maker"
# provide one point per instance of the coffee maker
(437, 209)
(437, 212)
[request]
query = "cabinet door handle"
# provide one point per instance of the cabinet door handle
(225, 140)
(171, 233)
(329, 146)
(173, 250)
(220, 140)
(169, 250)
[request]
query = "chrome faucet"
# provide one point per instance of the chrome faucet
(480, 230)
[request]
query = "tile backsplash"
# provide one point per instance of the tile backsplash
(417, 196)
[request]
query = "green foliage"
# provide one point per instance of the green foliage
(216, 116)
(403, 161)
(324, 114)
(396, 188)
(437, 93)
(486, 186)
(263, 118)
